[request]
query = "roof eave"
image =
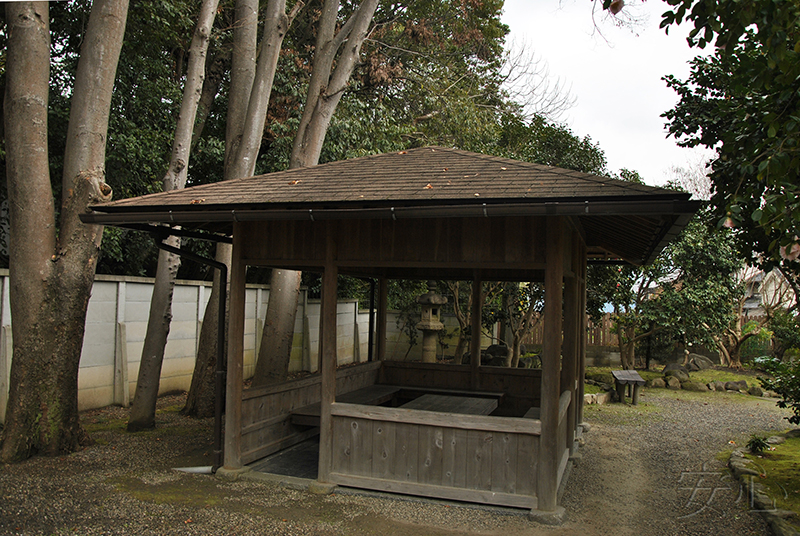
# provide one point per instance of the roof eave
(182, 215)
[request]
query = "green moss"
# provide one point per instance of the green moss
(170, 409)
(195, 491)
(780, 473)
(104, 425)
(622, 414)
(702, 376)
(592, 389)
(605, 372)
(710, 375)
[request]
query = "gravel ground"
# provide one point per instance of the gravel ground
(652, 469)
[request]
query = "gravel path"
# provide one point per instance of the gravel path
(651, 469)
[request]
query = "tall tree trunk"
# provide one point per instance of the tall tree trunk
(143, 410)
(251, 86)
(325, 90)
(279, 331)
(627, 346)
(51, 278)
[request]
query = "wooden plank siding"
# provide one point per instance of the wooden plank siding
(474, 458)
(521, 387)
(501, 244)
(266, 411)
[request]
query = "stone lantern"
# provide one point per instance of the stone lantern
(430, 325)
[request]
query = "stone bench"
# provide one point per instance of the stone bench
(623, 378)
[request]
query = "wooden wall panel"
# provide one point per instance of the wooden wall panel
(521, 386)
(513, 242)
(266, 427)
(462, 457)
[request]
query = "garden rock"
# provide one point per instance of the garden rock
(681, 375)
(740, 385)
(672, 382)
(675, 366)
(755, 391)
(697, 387)
(658, 383)
(700, 361)
(527, 362)
(718, 385)
(497, 362)
(497, 350)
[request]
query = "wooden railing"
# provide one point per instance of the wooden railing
(476, 458)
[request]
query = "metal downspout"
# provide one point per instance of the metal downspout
(219, 375)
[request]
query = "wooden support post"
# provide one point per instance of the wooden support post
(547, 472)
(475, 339)
(570, 353)
(327, 360)
(573, 333)
(583, 342)
(383, 308)
(235, 368)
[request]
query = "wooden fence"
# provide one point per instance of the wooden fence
(598, 334)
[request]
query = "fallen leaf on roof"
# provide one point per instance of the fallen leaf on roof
(429, 186)
(445, 169)
(477, 195)
(197, 201)
(292, 183)
(403, 152)
(503, 168)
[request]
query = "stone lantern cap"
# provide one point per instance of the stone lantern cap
(431, 298)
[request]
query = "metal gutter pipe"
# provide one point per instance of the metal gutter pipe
(219, 375)
(494, 208)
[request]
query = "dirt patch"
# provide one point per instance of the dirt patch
(649, 470)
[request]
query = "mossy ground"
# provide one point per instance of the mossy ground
(780, 473)
(702, 376)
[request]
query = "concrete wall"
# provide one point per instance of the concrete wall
(116, 322)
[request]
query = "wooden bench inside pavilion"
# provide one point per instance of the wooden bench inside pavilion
(475, 433)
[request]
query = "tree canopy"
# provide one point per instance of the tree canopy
(743, 102)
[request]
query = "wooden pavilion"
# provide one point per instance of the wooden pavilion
(427, 213)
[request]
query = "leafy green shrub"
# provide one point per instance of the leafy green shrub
(757, 444)
(785, 327)
(785, 382)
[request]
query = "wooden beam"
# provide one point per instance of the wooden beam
(547, 482)
(327, 359)
(572, 323)
(382, 316)
(235, 366)
(582, 340)
(475, 339)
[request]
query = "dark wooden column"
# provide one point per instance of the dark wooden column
(582, 347)
(235, 365)
(381, 318)
(475, 323)
(572, 323)
(551, 359)
(327, 360)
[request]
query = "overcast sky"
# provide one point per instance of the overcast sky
(615, 77)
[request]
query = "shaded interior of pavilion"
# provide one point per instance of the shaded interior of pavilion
(489, 435)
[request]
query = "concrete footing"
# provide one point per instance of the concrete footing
(232, 474)
(553, 518)
(321, 488)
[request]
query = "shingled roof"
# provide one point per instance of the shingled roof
(417, 176)
(418, 183)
